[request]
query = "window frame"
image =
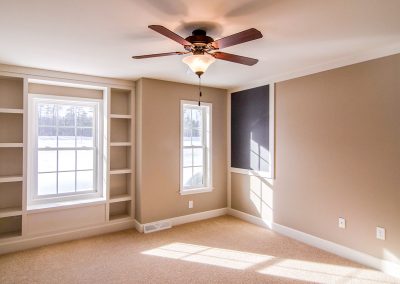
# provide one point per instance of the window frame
(33, 150)
(207, 146)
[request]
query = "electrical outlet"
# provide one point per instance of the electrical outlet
(190, 203)
(342, 223)
(380, 233)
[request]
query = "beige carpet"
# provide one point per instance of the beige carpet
(219, 250)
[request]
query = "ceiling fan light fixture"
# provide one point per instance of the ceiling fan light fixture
(198, 63)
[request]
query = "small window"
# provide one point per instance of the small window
(64, 149)
(195, 147)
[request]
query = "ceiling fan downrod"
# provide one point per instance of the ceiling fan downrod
(200, 94)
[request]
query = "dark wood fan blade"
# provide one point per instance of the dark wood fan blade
(244, 36)
(169, 34)
(235, 58)
(157, 55)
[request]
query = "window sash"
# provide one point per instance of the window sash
(205, 145)
(96, 129)
(192, 166)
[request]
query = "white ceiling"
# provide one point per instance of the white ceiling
(98, 37)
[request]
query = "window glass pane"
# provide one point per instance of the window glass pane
(84, 181)
(65, 125)
(46, 114)
(84, 137)
(66, 137)
(197, 137)
(66, 115)
(197, 179)
(187, 157)
(47, 161)
(196, 118)
(84, 116)
(47, 137)
(187, 177)
(66, 182)
(187, 122)
(47, 184)
(196, 122)
(85, 159)
(66, 160)
(187, 137)
(198, 157)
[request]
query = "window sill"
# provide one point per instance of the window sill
(195, 190)
(65, 204)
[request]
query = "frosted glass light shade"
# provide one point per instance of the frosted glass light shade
(198, 63)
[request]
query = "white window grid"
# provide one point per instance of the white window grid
(76, 102)
(204, 130)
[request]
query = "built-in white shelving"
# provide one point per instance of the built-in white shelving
(120, 144)
(10, 179)
(121, 197)
(11, 110)
(9, 212)
(11, 145)
(121, 188)
(121, 116)
(11, 155)
(119, 130)
(120, 171)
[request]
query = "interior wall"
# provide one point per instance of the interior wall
(337, 155)
(158, 135)
(55, 90)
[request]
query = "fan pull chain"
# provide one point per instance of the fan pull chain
(199, 89)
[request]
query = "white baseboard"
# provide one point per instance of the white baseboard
(250, 218)
(198, 216)
(138, 226)
(383, 265)
(24, 243)
(188, 218)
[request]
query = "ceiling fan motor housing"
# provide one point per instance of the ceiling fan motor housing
(199, 38)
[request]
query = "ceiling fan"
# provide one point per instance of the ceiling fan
(204, 49)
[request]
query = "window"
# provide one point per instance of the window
(64, 149)
(195, 147)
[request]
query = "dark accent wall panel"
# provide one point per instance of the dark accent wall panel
(250, 129)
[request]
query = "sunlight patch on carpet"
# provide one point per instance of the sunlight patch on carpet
(209, 255)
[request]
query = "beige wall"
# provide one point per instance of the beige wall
(337, 154)
(158, 132)
(64, 91)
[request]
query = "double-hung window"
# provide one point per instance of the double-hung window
(64, 149)
(195, 147)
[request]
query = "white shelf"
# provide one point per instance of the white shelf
(9, 212)
(10, 178)
(116, 144)
(119, 198)
(11, 145)
(10, 235)
(11, 110)
(119, 216)
(120, 171)
(125, 116)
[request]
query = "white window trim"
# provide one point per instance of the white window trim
(209, 187)
(33, 202)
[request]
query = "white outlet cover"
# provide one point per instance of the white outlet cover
(342, 223)
(190, 203)
(380, 233)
